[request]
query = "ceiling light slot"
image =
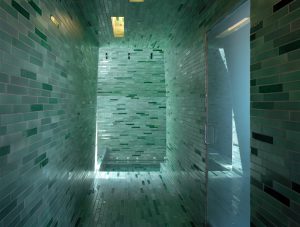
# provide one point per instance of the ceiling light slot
(118, 26)
(136, 1)
(54, 20)
(234, 27)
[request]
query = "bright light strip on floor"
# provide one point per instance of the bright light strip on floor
(111, 175)
(96, 164)
(136, 0)
(118, 26)
(234, 27)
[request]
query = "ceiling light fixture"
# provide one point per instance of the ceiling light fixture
(54, 20)
(118, 26)
(234, 27)
(136, 0)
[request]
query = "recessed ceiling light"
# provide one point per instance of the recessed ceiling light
(54, 20)
(136, 0)
(118, 26)
(234, 27)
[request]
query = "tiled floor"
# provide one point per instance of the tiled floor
(137, 199)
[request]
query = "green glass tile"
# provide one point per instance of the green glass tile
(27, 74)
(253, 82)
(289, 47)
(31, 132)
(36, 61)
(255, 67)
(271, 88)
(40, 158)
(63, 74)
(40, 34)
(4, 150)
(262, 105)
(37, 107)
(46, 45)
(6, 210)
(35, 7)
(47, 87)
(53, 101)
(277, 97)
(67, 136)
(44, 163)
(20, 9)
(45, 121)
(9, 9)
(50, 222)
(3, 130)
(34, 37)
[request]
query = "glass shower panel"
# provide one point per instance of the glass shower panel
(228, 120)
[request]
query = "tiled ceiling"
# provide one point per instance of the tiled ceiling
(149, 24)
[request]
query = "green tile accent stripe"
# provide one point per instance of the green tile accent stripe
(20, 9)
(31, 132)
(4, 150)
(47, 87)
(46, 45)
(289, 47)
(27, 74)
(271, 88)
(37, 107)
(40, 158)
(35, 7)
(40, 34)
(44, 163)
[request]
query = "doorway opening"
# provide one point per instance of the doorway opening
(228, 120)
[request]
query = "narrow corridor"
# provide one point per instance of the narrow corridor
(149, 113)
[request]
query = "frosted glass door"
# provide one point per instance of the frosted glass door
(227, 129)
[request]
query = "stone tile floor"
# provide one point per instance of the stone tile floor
(133, 199)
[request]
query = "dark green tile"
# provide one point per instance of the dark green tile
(255, 67)
(4, 150)
(47, 87)
(20, 9)
(37, 107)
(40, 158)
(257, 27)
(271, 88)
(31, 132)
(8, 209)
(262, 105)
(46, 45)
(44, 163)
(63, 74)
(289, 47)
(40, 34)
(35, 7)
(27, 74)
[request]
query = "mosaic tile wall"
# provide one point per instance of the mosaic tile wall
(47, 112)
(275, 116)
(131, 110)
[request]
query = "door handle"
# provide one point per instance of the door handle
(209, 134)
